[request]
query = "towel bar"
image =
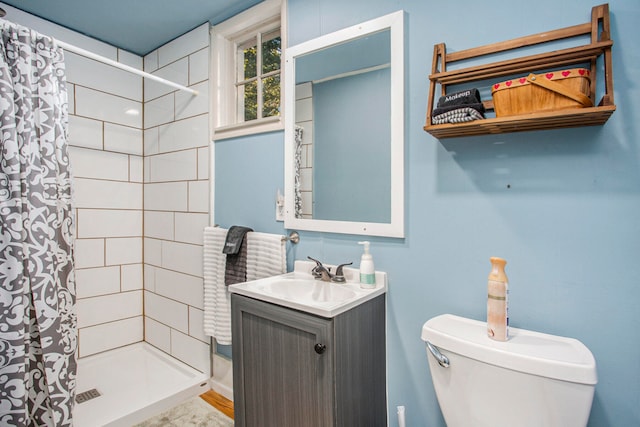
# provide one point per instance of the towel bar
(293, 237)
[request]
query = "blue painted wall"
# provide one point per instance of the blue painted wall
(342, 154)
(568, 225)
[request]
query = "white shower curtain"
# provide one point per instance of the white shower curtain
(37, 286)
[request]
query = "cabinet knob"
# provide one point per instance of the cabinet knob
(320, 348)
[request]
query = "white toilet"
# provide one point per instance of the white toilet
(532, 380)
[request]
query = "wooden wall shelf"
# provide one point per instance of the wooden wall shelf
(600, 45)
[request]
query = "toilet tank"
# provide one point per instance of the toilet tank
(531, 380)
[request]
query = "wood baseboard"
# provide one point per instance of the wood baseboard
(219, 402)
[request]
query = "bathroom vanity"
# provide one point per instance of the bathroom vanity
(296, 368)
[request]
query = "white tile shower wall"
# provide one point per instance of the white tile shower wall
(93, 193)
(158, 334)
(176, 166)
(188, 227)
(131, 277)
(109, 135)
(188, 106)
(122, 139)
(166, 196)
(159, 225)
(192, 351)
(123, 251)
(199, 65)
(89, 253)
(84, 132)
(93, 311)
(105, 134)
(106, 107)
(98, 281)
(104, 223)
(94, 74)
(185, 45)
(199, 196)
(176, 194)
(180, 287)
(182, 134)
(96, 164)
(164, 310)
(110, 335)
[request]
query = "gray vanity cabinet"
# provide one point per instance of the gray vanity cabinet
(294, 369)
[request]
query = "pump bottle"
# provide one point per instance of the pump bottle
(367, 270)
(498, 301)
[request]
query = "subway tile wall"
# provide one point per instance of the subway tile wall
(139, 153)
(176, 197)
(106, 148)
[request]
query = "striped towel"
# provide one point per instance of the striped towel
(459, 115)
(217, 301)
(266, 256)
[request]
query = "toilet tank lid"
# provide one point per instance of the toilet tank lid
(526, 351)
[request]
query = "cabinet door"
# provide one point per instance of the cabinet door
(280, 377)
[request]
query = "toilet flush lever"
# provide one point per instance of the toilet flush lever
(441, 358)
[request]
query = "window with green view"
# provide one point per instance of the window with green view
(258, 83)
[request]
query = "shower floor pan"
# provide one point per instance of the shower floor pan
(132, 384)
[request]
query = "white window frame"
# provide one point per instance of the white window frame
(225, 36)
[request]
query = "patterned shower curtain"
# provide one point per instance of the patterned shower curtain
(37, 285)
(297, 194)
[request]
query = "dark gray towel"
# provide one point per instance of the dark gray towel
(464, 97)
(479, 107)
(235, 246)
(233, 242)
(235, 270)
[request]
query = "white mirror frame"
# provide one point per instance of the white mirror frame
(395, 23)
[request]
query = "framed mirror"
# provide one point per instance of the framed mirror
(344, 130)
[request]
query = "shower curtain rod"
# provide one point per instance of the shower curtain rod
(91, 55)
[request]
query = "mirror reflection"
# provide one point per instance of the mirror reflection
(343, 106)
(344, 131)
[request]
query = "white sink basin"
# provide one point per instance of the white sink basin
(307, 290)
(301, 291)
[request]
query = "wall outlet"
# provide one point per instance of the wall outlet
(279, 206)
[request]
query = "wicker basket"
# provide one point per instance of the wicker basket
(555, 90)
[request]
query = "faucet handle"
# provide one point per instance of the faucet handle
(339, 276)
(319, 269)
(315, 271)
(318, 263)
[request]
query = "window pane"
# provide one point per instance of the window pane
(271, 96)
(271, 51)
(247, 59)
(249, 94)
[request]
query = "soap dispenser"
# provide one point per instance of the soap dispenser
(498, 301)
(367, 270)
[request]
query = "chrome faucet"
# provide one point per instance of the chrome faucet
(339, 276)
(320, 271)
(323, 273)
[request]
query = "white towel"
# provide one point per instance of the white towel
(266, 256)
(217, 300)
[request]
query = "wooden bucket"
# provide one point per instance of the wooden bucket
(550, 91)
